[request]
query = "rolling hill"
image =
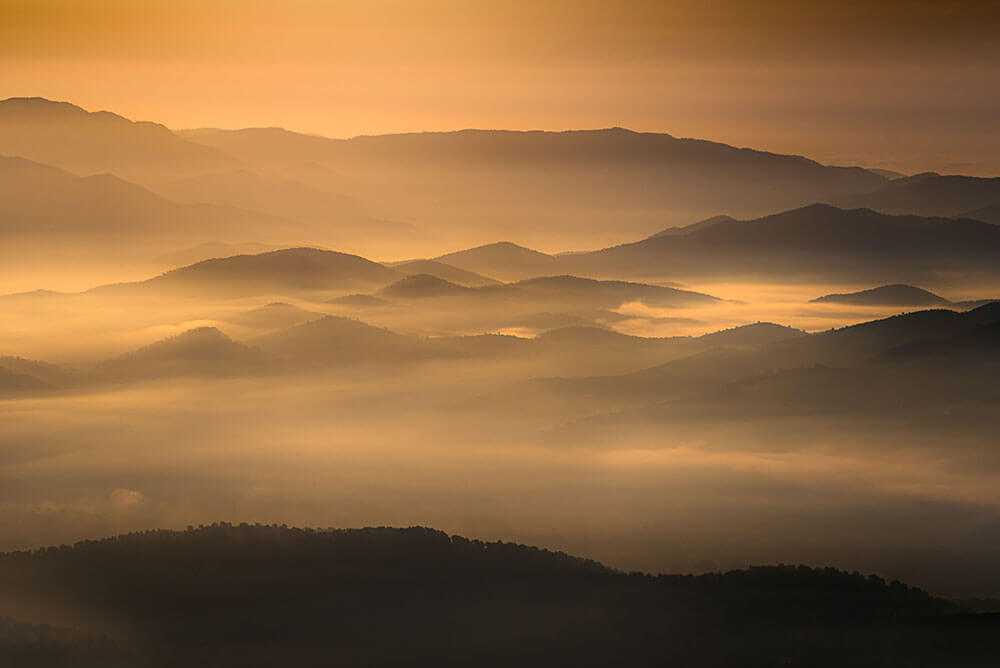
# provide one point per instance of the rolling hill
(203, 351)
(273, 316)
(338, 341)
(13, 383)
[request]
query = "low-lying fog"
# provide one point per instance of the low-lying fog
(467, 442)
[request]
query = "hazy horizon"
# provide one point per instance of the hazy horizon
(907, 86)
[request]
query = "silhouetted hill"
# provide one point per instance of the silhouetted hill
(754, 334)
(423, 285)
(51, 374)
(607, 293)
(359, 300)
(273, 316)
(546, 321)
(38, 201)
(257, 595)
(13, 383)
(886, 295)
(65, 135)
(928, 194)
(548, 291)
(536, 185)
(274, 272)
(578, 334)
(816, 241)
(443, 271)
(503, 259)
(203, 351)
(342, 341)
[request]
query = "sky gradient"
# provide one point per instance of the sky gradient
(908, 85)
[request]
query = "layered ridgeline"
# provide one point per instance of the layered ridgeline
(266, 595)
(817, 242)
(64, 135)
(933, 194)
(873, 374)
(47, 205)
(535, 185)
(543, 187)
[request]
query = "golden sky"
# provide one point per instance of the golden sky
(910, 84)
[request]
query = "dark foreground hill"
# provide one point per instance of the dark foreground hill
(272, 596)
